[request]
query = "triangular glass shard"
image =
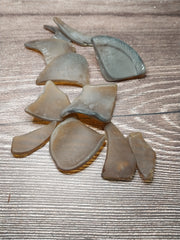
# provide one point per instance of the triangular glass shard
(71, 68)
(117, 60)
(120, 163)
(95, 100)
(28, 143)
(72, 34)
(57, 33)
(144, 154)
(50, 48)
(72, 144)
(49, 104)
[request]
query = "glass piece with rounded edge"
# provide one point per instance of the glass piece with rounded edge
(50, 48)
(120, 163)
(95, 100)
(49, 104)
(72, 34)
(72, 144)
(144, 154)
(57, 33)
(26, 144)
(71, 68)
(117, 60)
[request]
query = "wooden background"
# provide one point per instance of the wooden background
(39, 202)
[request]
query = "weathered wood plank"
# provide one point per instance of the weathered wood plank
(46, 203)
(146, 95)
(92, 7)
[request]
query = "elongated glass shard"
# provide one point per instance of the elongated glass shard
(117, 60)
(57, 33)
(71, 68)
(28, 143)
(72, 144)
(95, 100)
(49, 104)
(144, 154)
(72, 34)
(120, 163)
(50, 48)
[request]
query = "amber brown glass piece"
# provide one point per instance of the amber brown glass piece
(120, 163)
(72, 144)
(117, 60)
(72, 34)
(95, 100)
(49, 104)
(28, 143)
(50, 48)
(71, 68)
(144, 154)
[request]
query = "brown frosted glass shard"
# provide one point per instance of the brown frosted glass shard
(72, 34)
(97, 101)
(71, 68)
(50, 48)
(49, 104)
(28, 143)
(117, 60)
(57, 33)
(72, 144)
(144, 154)
(120, 163)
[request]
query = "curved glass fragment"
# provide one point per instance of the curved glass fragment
(72, 144)
(57, 33)
(117, 60)
(120, 163)
(95, 100)
(28, 143)
(144, 154)
(49, 104)
(72, 34)
(70, 68)
(50, 48)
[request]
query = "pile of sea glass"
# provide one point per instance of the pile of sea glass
(72, 142)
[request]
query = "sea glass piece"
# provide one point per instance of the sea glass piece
(144, 154)
(72, 34)
(57, 33)
(28, 143)
(117, 60)
(120, 163)
(50, 48)
(71, 68)
(49, 104)
(95, 100)
(72, 144)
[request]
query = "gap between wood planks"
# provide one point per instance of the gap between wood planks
(146, 114)
(127, 14)
(123, 115)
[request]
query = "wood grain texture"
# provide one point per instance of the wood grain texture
(39, 202)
